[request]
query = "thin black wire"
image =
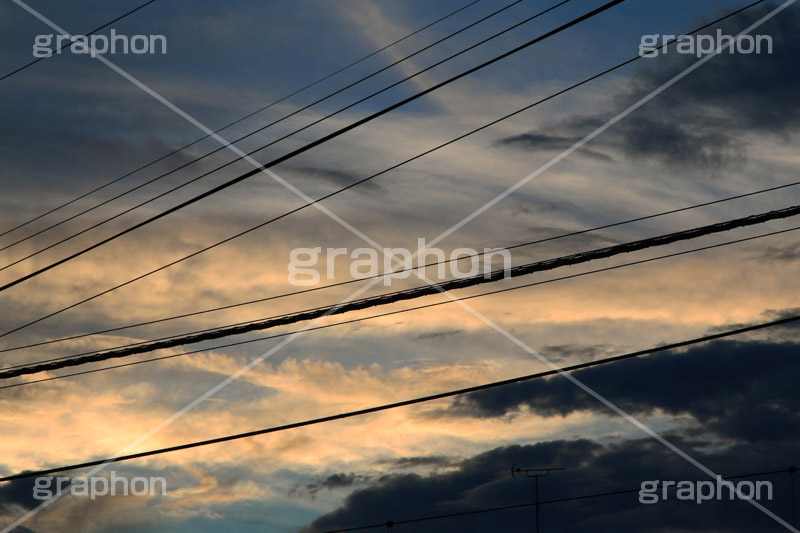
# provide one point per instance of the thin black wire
(352, 321)
(398, 296)
(532, 504)
(313, 144)
(319, 312)
(381, 275)
(298, 91)
(105, 202)
(405, 403)
(294, 132)
(107, 24)
(364, 180)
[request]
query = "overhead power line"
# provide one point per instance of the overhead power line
(368, 178)
(237, 121)
(315, 143)
(392, 523)
(253, 152)
(195, 160)
(405, 295)
(390, 313)
(404, 403)
(381, 275)
(68, 45)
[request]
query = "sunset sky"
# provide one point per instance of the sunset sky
(730, 127)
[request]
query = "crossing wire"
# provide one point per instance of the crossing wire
(382, 275)
(392, 313)
(161, 176)
(407, 294)
(658, 485)
(237, 121)
(405, 403)
(107, 24)
(368, 178)
(313, 144)
(286, 136)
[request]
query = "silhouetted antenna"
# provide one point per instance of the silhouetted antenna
(535, 473)
(583, 497)
(792, 478)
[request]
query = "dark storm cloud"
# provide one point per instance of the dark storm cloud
(484, 481)
(702, 121)
(740, 390)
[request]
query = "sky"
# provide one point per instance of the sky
(71, 124)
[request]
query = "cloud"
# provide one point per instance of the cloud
(17, 494)
(784, 253)
(436, 335)
(339, 178)
(484, 481)
(779, 333)
(332, 482)
(704, 121)
(577, 352)
(739, 394)
(195, 491)
(413, 462)
(97, 127)
(541, 142)
(755, 379)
